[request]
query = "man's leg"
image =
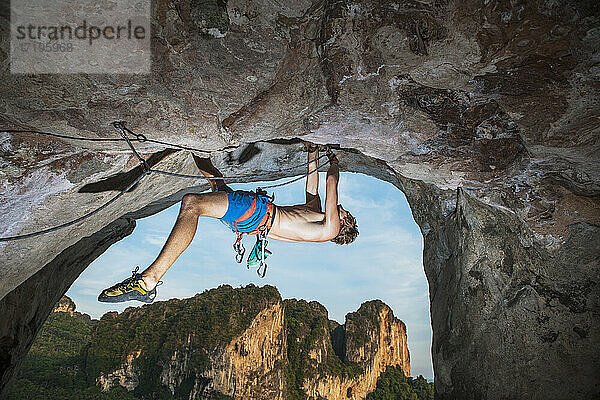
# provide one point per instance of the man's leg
(192, 207)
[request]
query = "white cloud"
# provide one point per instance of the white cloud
(155, 240)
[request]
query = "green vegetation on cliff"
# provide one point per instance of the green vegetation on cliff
(308, 328)
(304, 325)
(362, 321)
(155, 331)
(393, 385)
(71, 352)
(54, 367)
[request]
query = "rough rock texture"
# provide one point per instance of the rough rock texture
(125, 376)
(485, 113)
(516, 298)
(26, 308)
(373, 339)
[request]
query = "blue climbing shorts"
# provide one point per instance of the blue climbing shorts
(240, 203)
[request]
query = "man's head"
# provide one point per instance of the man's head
(348, 228)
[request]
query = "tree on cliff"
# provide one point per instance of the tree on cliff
(394, 385)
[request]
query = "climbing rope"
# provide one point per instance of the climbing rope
(76, 220)
(137, 138)
(233, 179)
(63, 136)
(120, 125)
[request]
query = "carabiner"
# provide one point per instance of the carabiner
(262, 237)
(239, 249)
(264, 266)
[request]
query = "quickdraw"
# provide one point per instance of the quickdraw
(263, 265)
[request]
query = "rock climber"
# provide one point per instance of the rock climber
(246, 213)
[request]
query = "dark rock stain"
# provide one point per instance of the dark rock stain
(476, 274)
(549, 337)
(248, 153)
(473, 130)
(421, 23)
(210, 17)
(121, 180)
(508, 261)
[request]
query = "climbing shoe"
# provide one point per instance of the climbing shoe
(132, 288)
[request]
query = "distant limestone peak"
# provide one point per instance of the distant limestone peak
(65, 304)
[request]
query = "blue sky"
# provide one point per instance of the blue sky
(385, 262)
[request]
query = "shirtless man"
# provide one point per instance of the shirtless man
(245, 212)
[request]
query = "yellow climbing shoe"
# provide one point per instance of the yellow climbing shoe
(132, 288)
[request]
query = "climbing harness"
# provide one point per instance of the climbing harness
(124, 131)
(261, 232)
(259, 252)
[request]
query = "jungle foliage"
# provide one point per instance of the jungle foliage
(54, 366)
(394, 385)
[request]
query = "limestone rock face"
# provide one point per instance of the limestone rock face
(516, 295)
(385, 342)
(174, 371)
(258, 363)
(374, 339)
(126, 376)
(483, 113)
(251, 366)
(224, 340)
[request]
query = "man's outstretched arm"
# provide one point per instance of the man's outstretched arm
(332, 216)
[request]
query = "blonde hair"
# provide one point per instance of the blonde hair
(348, 230)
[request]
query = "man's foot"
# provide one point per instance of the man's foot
(208, 169)
(132, 288)
(206, 166)
(311, 147)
